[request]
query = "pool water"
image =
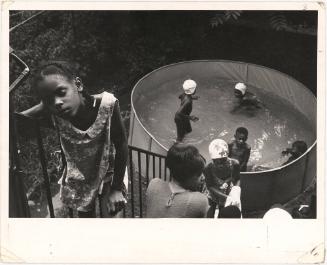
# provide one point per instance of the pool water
(272, 128)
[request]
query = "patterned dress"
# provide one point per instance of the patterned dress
(89, 157)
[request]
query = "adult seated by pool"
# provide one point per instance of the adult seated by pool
(179, 198)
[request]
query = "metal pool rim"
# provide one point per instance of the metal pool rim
(227, 61)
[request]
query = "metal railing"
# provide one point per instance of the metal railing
(139, 177)
(35, 128)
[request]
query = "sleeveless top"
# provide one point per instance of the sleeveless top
(89, 157)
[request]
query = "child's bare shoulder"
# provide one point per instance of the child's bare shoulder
(156, 181)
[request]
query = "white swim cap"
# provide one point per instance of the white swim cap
(189, 86)
(241, 87)
(277, 215)
(218, 148)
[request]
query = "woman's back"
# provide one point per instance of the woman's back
(169, 200)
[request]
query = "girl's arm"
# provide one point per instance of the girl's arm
(37, 113)
(113, 200)
(119, 139)
(236, 173)
(181, 111)
(246, 157)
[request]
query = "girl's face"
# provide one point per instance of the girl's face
(60, 95)
(238, 93)
(240, 139)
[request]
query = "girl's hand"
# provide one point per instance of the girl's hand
(224, 186)
(193, 118)
(116, 201)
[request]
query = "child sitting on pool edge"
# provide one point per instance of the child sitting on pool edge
(239, 149)
(246, 99)
(298, 149)
(182, 116)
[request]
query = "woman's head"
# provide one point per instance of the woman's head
(186, 165)
(59, 88)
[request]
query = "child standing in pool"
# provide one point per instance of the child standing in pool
(220, 175)
(239, 149)
(245, 99)
(92, 138)
(182, 116)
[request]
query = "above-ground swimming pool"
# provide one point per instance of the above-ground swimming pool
(288, 114)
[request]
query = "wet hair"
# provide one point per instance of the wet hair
(301, 146)
(242, 130)
(184, 161)
(230, 211)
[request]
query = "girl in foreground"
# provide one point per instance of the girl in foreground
(92, 138)
(181, 196)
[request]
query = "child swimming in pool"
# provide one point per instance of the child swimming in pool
(245, 99)
(220, 175)
(298, 149)
(182, 116)
(239, 149)
(92, 138)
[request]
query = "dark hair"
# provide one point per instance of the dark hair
(242, 130)
(63, 68)
(184, 161)
(230, 211)
(301, 146)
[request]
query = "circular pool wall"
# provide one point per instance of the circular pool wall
(259, 189)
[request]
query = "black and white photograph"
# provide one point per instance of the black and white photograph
(145, 120)
(181, 114)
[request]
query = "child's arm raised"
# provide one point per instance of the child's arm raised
(115, 199)
(37, 112)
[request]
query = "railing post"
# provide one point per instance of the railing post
(44, 169)
(139, 162)
(140, 181)
(131, 174)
